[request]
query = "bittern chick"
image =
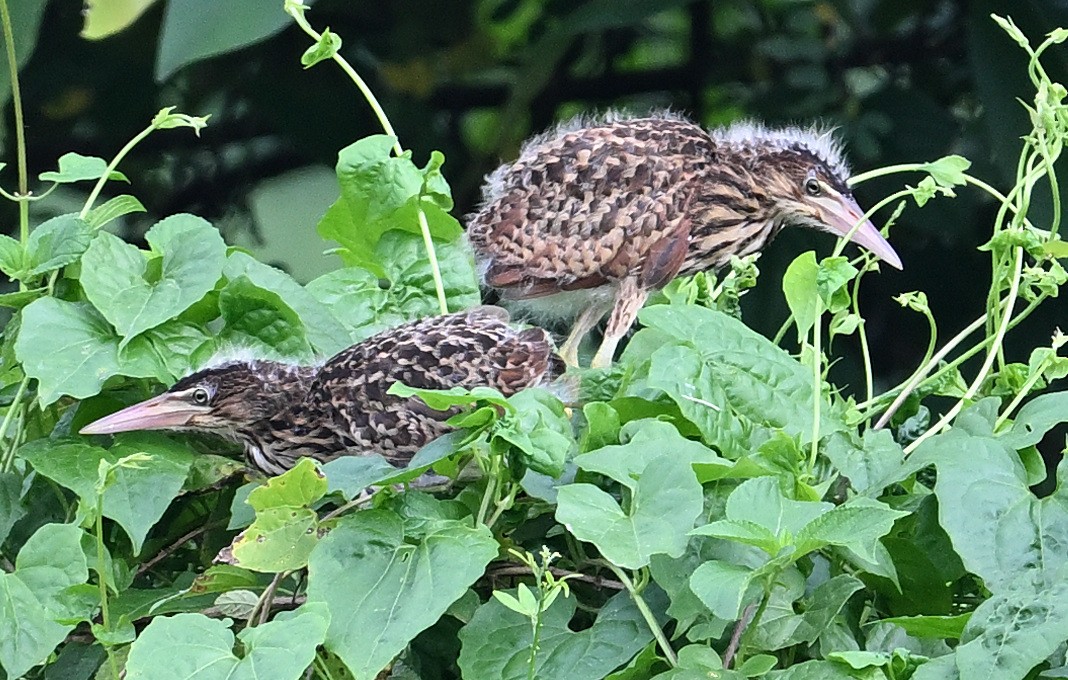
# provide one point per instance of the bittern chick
(281, 412)
(593, 216)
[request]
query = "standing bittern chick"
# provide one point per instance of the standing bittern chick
(592, 216)
(280, 412)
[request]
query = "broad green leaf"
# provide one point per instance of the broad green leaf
(186, 646)
(814, 670)
(20, 298)
(12, 509)
(724, 587)
(137, 496)
(857, 524)
(935, 627)
(75, 167)
(443, 400)
(742, 531)
(103, 18)
(948, 171)
(326, 335)
(192, 31)
(34, 596)
(870, 464)
(539, 429)
(1036, 418)
(1001, 531)
(759, 381)
(382, 590)
(114, 208)
(402, 290)
(67, 347)
(761, 501)
(118, 280)
(352, 474)
(300, 486)
(651, 439)
(326, 47)
(1014, 631)
(682, 373)
(11, 259)
(673, 575)
(497, 641)
(56, 243)
(819, 609)
(832, 281)
(799, 287)
(286, 529)
(259, 317)
(173, 344)
(664, 504)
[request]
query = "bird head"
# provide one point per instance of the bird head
(804, 177)
(223, 400)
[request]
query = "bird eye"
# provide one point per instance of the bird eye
(812, 186)
(201, 396)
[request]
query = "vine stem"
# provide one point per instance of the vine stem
(23, 196)
(10, 416)
(296, 9)
(817, 391)
(991, 355)
(646, 613)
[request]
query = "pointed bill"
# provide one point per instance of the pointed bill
(156, 413)
(842, 214)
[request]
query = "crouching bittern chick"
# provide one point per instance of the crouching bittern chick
(281, 412)
(592, 216)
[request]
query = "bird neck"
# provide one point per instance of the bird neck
(731, 213)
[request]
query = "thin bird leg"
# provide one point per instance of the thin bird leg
(629, 299)
(583, 324)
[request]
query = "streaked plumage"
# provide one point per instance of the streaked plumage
(281, 412)
(618, 207)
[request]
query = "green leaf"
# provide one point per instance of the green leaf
(138, 496)
(381, 192)
(326, 47)
(650, 439)
(401, 289)
(1001, 531)
(33, 597)
(742, 531)
(724, 587)
(799, 286)
(285, 529)
(67, 347)
(12, 509)
(540, 429)
(117, 279)
(115, 208)
(443, 400)
(103, 19)
(326, 335)
(761, 501)
(814, 670)
(948, 171)
(1014, 631)
(382, 590)
(665, 502)
(857, 524)
(74, 167)
(933, 627)
(20, 298)
(819, 609)
(11, 258)
(497, 641)
(192, 31)
(832, 283)
(352, 474)
(187, 646)
(753, 379)
(1036, 418)
(260, 318)
(57, 243)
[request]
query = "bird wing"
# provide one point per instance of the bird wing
(590, 206)
(466, 349)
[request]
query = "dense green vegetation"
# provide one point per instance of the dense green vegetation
(716, 505)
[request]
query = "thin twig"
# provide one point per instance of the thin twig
(736, 636)
(598, 581)
(169, 550)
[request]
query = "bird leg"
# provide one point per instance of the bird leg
(583, 324)
(629, 299)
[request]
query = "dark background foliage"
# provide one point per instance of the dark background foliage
(903, 80)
